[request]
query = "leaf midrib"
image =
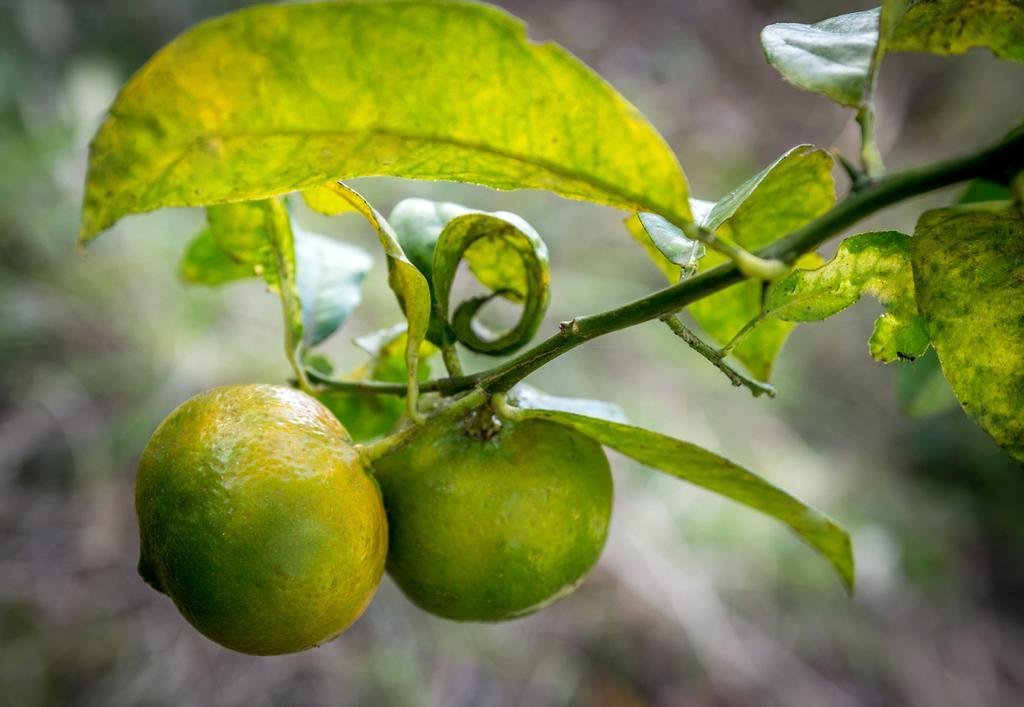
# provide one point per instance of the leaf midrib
(629, 198)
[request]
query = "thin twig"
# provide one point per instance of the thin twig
(757, 388)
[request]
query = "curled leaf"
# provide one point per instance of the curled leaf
(502, 250)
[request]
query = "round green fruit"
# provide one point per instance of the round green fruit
(488, 527)
(259, 520)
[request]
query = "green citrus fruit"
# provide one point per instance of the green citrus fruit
(259, 520)
(487, 528)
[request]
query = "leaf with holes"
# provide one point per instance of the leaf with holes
(876, 264)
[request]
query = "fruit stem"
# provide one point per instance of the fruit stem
(454, 410)
(502, 408)
(748, 263)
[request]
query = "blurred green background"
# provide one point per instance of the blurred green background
(696, 601)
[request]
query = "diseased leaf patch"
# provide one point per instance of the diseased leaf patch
(955, 26)
(969, 278)
(875, 264)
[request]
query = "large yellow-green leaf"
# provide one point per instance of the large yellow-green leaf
(969, 279)
(793, 190)
(875, 264)
(278, 98)
(954, 26)
(709, 471)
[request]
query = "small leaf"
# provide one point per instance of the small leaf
(527, 397)
(279, 98)
(680, 254)
(329, 273)
(503, 251)
(834, 57)
(793, 190)
(876, 264)
(204, 263)
(970, 290)
(368, 416)
(955, 26)
(839, 57)
(240, 231)
(330, 277)
(405, 280)
(710, 471)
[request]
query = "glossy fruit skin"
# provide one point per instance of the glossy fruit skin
(259, 520)
(492, 529)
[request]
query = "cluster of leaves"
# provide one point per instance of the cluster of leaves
(274, 100)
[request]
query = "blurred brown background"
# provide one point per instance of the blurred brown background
(696, 601)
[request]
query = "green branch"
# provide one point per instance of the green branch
(1000, 163)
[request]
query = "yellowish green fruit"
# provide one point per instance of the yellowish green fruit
(259, 520)
(487, 526)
